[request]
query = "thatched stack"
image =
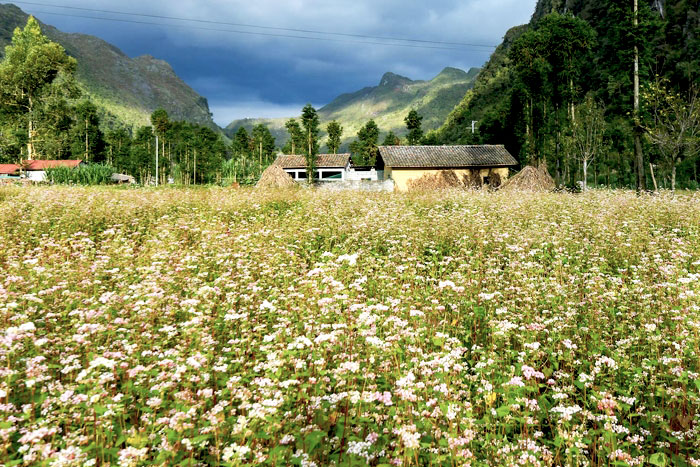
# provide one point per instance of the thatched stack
(275, 177)
(530, 179)
(445, 179)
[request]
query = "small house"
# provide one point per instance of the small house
(329, 167)
(36, 170)
(484, 163)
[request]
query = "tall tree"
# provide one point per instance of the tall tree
(548, 62)
(240, 146)
(674, 124)
(263, 143)
(296, 136)
(142, 164)
(161, 124)
(54, 120)
(364, 148)
(310, 122)
(87, 139)
(118, 149)
(413, 124)
(335, 132)
(588, 130)
(32, 65)
(391, 139)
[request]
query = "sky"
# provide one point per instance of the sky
(254, 72)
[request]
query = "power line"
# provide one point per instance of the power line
(251, 33)
(305, 31)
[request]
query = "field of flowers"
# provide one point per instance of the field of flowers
(230, 327)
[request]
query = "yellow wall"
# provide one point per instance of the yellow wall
(402, 176)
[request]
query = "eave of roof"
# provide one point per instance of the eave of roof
(38, 165)
(444, 157)
(9, 169)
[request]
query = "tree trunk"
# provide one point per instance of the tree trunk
(585, 175)
(653, 178)
(639, 157)
(639, 161)
(30, 126)
(87, 142)
(595, 175)
(673, 175)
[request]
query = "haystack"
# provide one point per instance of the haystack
(445, 179)
(530, 179)
(275, 177)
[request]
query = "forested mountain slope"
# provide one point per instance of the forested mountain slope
(509, 112)
(127, 90)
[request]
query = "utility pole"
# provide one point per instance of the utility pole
(474, 122)
(87, 153)
(639, 157)
(156, 159)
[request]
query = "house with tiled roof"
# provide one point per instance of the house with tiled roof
(329, 167)
(483, 162)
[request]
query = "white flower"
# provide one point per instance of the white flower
(101, 361)
(350, 259)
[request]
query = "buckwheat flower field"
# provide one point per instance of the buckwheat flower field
(233, 327)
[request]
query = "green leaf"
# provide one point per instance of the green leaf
(313, 439)
(659, 459)
(503, 410)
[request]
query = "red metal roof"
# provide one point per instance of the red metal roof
(8, 169)
(43, 165)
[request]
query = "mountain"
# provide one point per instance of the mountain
(127, 90)
(388, 104)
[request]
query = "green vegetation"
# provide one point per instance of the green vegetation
(526, 96)
(95, 174)
(125, 91)
(310, 122)
(42, 117)
(228, 328)
(35, 79)
(414, 134)
(391, 139)
(295, 142)
(335, 133)
(364, 148)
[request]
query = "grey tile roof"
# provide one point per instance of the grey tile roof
(322, 161)
(446, 156)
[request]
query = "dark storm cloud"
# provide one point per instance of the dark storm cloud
(262, 76)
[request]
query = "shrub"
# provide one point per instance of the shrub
(95, 174)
